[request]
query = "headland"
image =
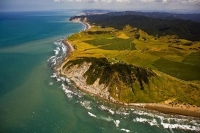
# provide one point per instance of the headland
(81, 57)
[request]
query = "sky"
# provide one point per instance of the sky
(185, 6)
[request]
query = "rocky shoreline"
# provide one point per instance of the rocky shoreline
(75, 74)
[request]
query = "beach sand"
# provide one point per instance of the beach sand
(183, 110)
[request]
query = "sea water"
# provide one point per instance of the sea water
(34, 99)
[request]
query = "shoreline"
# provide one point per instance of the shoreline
(184, 110)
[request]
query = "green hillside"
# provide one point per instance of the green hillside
(157, 27)
(137, 66)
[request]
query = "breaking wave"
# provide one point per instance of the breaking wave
(59, 54)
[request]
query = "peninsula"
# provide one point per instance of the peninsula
(134, 67)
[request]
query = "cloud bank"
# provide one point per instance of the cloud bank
(180, 6)
(135, 1)
(187, 6)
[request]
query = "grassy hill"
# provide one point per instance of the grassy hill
(183, 29)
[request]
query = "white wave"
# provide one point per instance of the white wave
(51, 58)
(92, 114)
(54, 75)
(106, 118)
(194, 123)
(58, 79)
(141, 120)
(67, 80)
(139, 112)
(50, 83)
(58, 48)
(152, 122)
(62, 78)
(59, 55)
(111, 111)
(167, 122)
(102, 107)
(86, 104)
(178, 126)
(58, 42)
(117, 123)
(125, 130)
(66, 90)
(56, 52)
(124, 113)
(64, 48)
(69, 95)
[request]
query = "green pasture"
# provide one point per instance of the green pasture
(193, 59)
(179, 70)
(112, 44)
(155, 54)
(113, 51)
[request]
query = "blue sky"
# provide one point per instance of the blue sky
(138, 5)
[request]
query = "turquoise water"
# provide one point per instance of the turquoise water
(32, 101)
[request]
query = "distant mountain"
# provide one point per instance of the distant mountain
(162, 15)
(92, 12)
(155, 26)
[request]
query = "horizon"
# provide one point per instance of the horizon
(170, 6)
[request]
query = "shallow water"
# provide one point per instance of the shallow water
(32, 101)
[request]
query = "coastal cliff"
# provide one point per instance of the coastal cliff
(112, 81)
(140, 91)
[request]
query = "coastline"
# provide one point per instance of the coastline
(185, 110)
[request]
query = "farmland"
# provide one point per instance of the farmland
(175, 62)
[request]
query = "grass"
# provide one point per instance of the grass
(193, 59)
(112, 52)
(157, 54)
(178, 69)
(112, 44)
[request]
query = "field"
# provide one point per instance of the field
(113, 43)
(175, 61)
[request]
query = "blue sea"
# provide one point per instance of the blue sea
(31, 100)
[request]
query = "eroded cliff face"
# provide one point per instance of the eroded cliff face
(78, 19)
(116, 82)
(76, 74)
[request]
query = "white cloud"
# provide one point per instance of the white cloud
(164, 1)
(89, 1)
(122, 0)
(192, 1)
(147, 0)
(134, 1)
(60, 0)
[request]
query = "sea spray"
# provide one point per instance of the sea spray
(59, 54)
(92, 114)
(125, 130)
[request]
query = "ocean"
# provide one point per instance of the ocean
(32, 100)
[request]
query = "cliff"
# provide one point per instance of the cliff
(113, 81)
